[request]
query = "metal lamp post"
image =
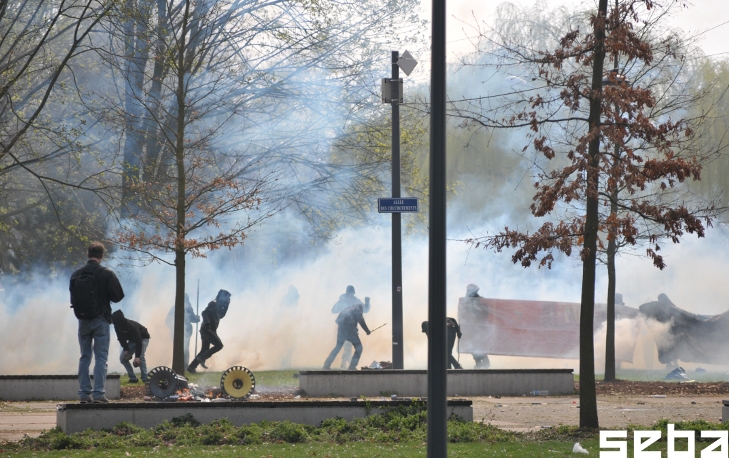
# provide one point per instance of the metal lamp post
(392, 93)
(437, 375)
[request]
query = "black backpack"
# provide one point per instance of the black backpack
(84, 295)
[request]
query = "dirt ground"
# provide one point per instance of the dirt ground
(619, 404)
(614, 411)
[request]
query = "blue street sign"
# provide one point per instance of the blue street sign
(397, 205)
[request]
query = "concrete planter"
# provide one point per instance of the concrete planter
(486, 382)
(50, 387)
(72, 418)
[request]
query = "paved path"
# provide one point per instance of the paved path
(18, 419)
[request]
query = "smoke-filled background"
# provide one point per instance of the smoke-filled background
(491, 188)
(39, 329)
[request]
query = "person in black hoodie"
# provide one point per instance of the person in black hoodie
(453, 330)
(211, 316)
(134, 339)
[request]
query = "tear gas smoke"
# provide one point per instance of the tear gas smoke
(258, 332)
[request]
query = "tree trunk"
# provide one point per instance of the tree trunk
(153, 133)
(610, 337)
(178, 350)
(131, 166)
(588, 396)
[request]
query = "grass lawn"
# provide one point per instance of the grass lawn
(356, 449)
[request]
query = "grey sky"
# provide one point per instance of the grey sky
(698, 16)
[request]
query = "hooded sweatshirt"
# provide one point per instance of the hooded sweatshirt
(129, 331)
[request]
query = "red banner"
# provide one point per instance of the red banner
(533, 328)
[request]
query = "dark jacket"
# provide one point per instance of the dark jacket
(211, 316)
(349, 318)
(452, 327)
(110, 290)
(129, 331)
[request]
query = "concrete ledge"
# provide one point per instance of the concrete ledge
(49, 387)
(72, 418)
(483, 382)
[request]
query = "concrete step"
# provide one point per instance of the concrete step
(72, 418)
(476, 382)
(50, 387)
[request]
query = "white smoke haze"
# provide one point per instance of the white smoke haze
(258, 332)
(39, 328)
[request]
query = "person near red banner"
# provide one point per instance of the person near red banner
(482, 360)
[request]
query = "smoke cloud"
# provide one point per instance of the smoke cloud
(259, 332)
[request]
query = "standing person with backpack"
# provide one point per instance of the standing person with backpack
(93, 288)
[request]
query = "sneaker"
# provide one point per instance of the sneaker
(85, 399)
(191, 370)
(101, 400)
(133, 380)
(202, 364)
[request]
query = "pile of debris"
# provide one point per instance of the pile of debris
(378, 365)
(193, 393)
(163, 384)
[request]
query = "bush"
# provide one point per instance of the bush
(249, 434)
(402, 424)
(185, 420)
(692, 425)
(287, 431)
(64, 442)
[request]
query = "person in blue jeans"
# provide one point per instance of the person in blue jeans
(134, 339)
(93, 288)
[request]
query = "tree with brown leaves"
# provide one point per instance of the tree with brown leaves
(601, 140)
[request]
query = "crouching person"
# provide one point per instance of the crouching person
(134, 339)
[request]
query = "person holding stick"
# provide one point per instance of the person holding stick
(346, 300)
(347, 331)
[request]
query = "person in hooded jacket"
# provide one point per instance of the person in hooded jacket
(211, 317)
(347, 322)
(482, 359)
(346, 300)
(190, 318)
(134, 339)
(453, 330)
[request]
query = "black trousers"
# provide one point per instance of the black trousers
(451, 336)
(211, 344)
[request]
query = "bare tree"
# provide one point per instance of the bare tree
(40, 134)
(218, 113)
